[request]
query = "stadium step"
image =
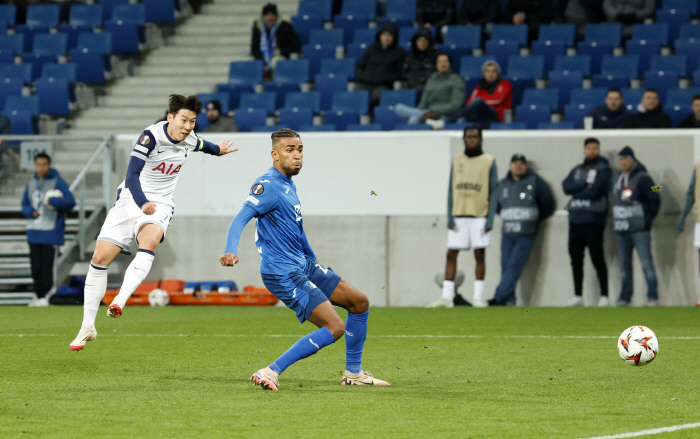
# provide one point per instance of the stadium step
(233, 40)
(145, 112)
(161, 71)
(16, 298)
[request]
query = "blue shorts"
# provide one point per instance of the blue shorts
(303, 291)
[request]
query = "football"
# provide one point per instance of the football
(158, 297)
(53, 193)
(638, 345)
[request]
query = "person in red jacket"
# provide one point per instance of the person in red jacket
(487, 103)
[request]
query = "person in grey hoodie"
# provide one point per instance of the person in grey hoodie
(443, 94)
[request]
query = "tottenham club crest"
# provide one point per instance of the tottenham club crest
(258, 189)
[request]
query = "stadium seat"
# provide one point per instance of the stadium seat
(510, 32)
(609, 81)
(54, 96)
(159, 11)
(565, 82)
(669, 63)
(324, 127)
(90, 57)
(266, 101)
(509, 126)
(107, 7)
(326, 37)
(610, 33)
(592, 97)
(387, 118)
(532, 115)
(689, 31)
(65, 71)
(345, 66)
(292, 71)
(95, 42)
(21, 122)
(556, 126)
(8, 15)
(676, 19)
(530, 67)
(7, 57)
(462, 36)
(400, 11)
(368, 127)
(691, 49)
(549, 50)
(696, 77)
(28, 34)
(405, 35)
(519, 86)
(327, 84)
(689, 5)
(131, 13)
(43, 15)
(625, 66)
(349, 23)
(561, 33)
(470, 66)
(359, 8)
(502, 50)
(632, 97)
(661, 81)
(295, 117)
(355, 50)
(13, 43)
(88, 16)
(545, 97)
(266, 128)
(21, 72)
(221, 97)
(596, 50)
(364, 36)
(201, 122)
(311, 100)
(23, 103)
(390, 98)
(678, 112)
(315, 54)
(644, 49)
(412, 127)
(653, 32)
(316, 8)
(247, 118)
(247, 73)
(9, 87)
(350, 102)
(37, 62)
(303, 24)
(50, 44)
(682, 97)
(575, 113)
(129, 37)
(340, 119)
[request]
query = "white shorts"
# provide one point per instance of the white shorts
(468, 233)
(125, 219)
(697, 235)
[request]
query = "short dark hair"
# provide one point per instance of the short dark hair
(178, 102)
(615, 90)
(591, 140)
(269, 8)
(440, 53)
(653, 90)
(472, 128)
(696, 97)
(284, 133)
(42, 155)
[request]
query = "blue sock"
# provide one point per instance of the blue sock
(355, 335)
(304, 347)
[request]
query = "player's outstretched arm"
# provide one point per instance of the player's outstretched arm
(225, 147)
(229, 259)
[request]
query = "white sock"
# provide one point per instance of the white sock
(135, 274)
(448, 290)
(478, 289)
(95, 287)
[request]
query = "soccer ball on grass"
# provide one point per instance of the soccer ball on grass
(158, 297)
(638, 345)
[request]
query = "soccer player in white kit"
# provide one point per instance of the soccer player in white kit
(144, 207)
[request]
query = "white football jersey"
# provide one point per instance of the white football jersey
(164, 158)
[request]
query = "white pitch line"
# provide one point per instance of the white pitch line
(606, 337)
(650, 432)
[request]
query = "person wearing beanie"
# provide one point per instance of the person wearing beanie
(523, 200)
(651, 114)
(381, 64)
(420, 60)
(273, 38)
(692, 197)
(218, 123)
(635, 204)
(589, 185)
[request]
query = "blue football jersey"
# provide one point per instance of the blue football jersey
(279, 229)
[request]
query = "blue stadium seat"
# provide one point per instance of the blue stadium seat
(689, 31)
(368, 127)
(575, 113)
(21, 122)
(65, 71)
(632, 97)
(201, 122)
(89, 16)
(678, 112)
(360, 8)
(159, 11)
(455, 53)
(502, 50)
(509, 126)
(530, 67)
(28, 33)
(355, 50)
(691, 49)
(266, 128)
(37, 62)
(295, 117)
(545, 97)
(412, 127)
(72, 33)
(310, 99)
(326, 37)
(303, 24)
(53, 94)
(592, 97)
(340, 119)
(609, 81)
(131, 13)
(316, 8)
(13, 43)
(10, 87)
(23, 103)
(596, 50)
(7, 57)
(696, 77)
(90, 64)
(561, 33)
(510, 32)
(624, 66)
(247, 73)
(387, 118)
(95, 42)
(315, 54)
(661, 81)
(349, 24)
(675, 18)
(364, 36)
(21, 72)
(292, 71)
(470, 66)
(129, 37)
(266, 101)
(550, 50)
(610, 33)
(50, 44)
(350, 102)
(405, 35)
(324, 127)
(219, 96)
(345, 66)
(43, 15)
(107, 7)
(556, 126)
(532, 115)
(565, 82)
(689, 5)
(390, 98)
(400, 10)
(327, 84)
(682, 97)
(644, 49)
(247, 118)
(655, 32)
(669, 63)
(8, 15)
(462, 36)
(519, 86)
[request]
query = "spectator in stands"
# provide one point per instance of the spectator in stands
(420, 61)
(477, 12)
(218, 123)
(628, 12)
(381, 63)
(580, 13)
(487, 103)
(443, 94)
(635, 204)
(273, 39)
(530, 12)
(45, 224)
(693, 120)
(436, 13)
(651, 115)
(611, 115)
(524, 200)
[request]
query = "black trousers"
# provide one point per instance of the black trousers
(591, 236)
(43, 258)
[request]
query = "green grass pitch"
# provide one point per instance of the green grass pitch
(183, 372)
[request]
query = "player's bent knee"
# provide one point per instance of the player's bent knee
(100, 259)
(360, 304)
(337, 329)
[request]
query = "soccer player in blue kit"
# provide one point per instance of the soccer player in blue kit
(290, 270)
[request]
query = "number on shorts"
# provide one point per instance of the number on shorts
(322, 268)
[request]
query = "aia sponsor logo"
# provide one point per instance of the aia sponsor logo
(169, 171)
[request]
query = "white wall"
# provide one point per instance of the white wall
(392, 245)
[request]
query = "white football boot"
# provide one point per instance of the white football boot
(440, 303)
(267, 378)
(85, 335)
(361, 379)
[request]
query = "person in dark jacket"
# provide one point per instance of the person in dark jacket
(45, 211)
(420, 61)
(476, 12)
(693, 120)
(613, 114)
(218, 123)
(579, 12)
(273, 39)
(381, 63)
(589, 185)
(636, 203)
(531, 12)
(436, 13)
(653, 115)
(628, 12)
(524, 200)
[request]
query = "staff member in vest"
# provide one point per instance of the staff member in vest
(473, 179)
(635, 206)
(45, 201)
(523, 200)
(589, 185)
(692, 197)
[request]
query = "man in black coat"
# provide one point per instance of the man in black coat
(420, 61)
(272, 38)
(381, 64)
(478, 12)
(653, 115)
(693, 119)
(613, 114)
(436, 13)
